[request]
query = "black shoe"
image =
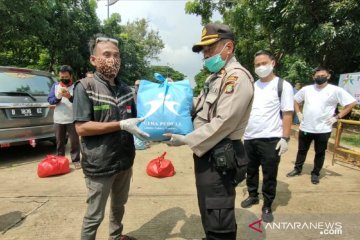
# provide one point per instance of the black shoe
(249, 202)
(315, 179)
(266, 215)
(293, 173)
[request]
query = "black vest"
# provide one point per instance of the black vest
(107, 154)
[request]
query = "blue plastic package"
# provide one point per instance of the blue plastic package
(166, 107)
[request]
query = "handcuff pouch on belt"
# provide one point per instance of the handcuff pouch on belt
(223, 156)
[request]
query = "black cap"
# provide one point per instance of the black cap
(212, 33)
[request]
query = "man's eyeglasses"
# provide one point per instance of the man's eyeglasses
(105, 39)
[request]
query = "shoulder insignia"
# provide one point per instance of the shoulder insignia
(229, 87)
(232, 78)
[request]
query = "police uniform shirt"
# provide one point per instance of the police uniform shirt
(223, 109)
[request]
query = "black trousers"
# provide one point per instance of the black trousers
(261, 152)
(60, 133)
(216, 196)
(320, 145)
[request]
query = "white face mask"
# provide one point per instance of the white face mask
(264, 70)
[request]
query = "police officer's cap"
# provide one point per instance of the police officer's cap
(212, 33)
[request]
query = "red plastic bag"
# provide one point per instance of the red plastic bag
(160, 167)
(53, 165)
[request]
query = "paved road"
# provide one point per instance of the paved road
(52, 208)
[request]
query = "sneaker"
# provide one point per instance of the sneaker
(125, 237)
(293, 173)
(77, 165)
(266, 215)
(249, 202)
(315, 179)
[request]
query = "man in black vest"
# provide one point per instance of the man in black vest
(104, 116)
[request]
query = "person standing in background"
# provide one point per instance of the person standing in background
(61, 95)
(317, 117)
(268, 132)
(297, 87)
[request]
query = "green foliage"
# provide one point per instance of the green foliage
(301, 33)
(351, 139)
(296, 70)
(203, 8)
(133, 64)
(200, 80)
(325, 33)
(166, 71)
(111, 26)
(44, 34)
(355, 113)
(147, 38)
(138, 45)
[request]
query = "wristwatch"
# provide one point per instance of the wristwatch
(287, 139)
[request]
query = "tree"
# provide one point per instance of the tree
(19, 20)
(201, 7)
(46, 33)
(71, 24)
(166, 71)
(297, 70)
(200, 80)
(300, 32)
(138, 45)
(148, 38)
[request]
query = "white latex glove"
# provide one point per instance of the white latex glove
(331, 120)
(300, 116)
(176, 140)
(282, 146)
(130, 125)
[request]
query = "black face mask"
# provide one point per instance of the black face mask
(320, 80)
(65, 81)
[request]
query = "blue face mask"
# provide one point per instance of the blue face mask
(215, 63)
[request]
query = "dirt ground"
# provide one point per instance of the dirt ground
(33, 208)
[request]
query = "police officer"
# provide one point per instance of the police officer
(220, 115)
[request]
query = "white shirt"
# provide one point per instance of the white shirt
(265, 121)
(320, 105)
(63, 113)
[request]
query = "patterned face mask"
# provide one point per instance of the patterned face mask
(109, 67)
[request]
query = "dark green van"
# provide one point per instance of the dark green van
(25, 116)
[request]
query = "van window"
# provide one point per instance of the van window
(14, 81)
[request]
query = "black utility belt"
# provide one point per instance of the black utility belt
(223, 156)
(228, 157)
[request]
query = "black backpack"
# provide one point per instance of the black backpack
(279, 90)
